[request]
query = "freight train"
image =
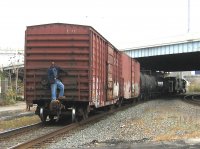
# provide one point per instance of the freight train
(98, 74)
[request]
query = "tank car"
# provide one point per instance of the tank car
(151, 85)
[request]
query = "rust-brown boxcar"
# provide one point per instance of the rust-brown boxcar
(130, 77)
(92, 63)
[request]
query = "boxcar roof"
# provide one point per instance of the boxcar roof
(90, 27)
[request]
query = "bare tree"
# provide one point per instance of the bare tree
(14, 61)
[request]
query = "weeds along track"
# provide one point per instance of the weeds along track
(44, 140)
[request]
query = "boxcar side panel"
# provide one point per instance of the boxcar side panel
(126, 75)
(135, 78)
(113, 79)
(105, 78)
(98, 69)
(130, 77)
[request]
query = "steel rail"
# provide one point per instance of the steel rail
(13, 132)
(42, 139)
(192, 99)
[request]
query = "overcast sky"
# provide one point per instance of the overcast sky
(122, 22)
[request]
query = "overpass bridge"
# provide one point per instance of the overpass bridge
(182, 55)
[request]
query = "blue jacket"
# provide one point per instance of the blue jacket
(53, 74)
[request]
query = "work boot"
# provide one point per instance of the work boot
(61, 97)
(54, 105)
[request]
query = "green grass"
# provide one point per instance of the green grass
(18, 122)
(194, 88)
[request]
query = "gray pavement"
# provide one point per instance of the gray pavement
(18, 106)
(16, 110)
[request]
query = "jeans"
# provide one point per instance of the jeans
(58, 84)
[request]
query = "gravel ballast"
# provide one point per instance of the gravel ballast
(157, 120)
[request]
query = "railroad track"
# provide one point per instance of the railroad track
(44, 140)
(192, 99)
(10, 139)
(18, 131)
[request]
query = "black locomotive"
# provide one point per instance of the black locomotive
(174, 85)
(155, 84)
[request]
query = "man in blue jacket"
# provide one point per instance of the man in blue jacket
(55, 82)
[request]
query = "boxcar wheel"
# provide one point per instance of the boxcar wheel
(85, 113)
(119, 103)
(51, 118)
(43, 115)
(74, 115)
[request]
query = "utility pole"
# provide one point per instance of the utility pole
(188, 16)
